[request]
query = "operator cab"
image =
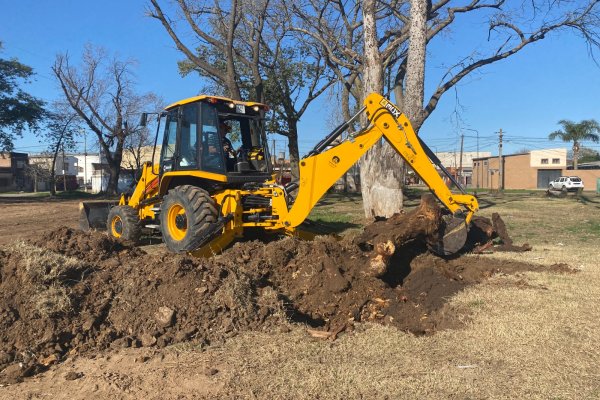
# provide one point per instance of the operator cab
(217, 136)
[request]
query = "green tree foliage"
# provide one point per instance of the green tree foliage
(588, 155)
(576, 132)
(18, 109)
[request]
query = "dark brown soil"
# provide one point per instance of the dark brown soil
(106, 294)
(115, 295)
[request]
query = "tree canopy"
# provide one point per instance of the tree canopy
(247, 49)
(577, 132)
(18, 109)
(103, 94)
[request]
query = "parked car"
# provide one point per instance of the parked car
(567, 183)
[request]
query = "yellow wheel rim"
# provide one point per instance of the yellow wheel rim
(177, 222)
(116, 226)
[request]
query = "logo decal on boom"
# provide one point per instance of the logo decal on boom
(391, 108)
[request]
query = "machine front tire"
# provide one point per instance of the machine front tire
(187, 214)
(124, 223)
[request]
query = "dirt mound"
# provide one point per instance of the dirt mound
(52, 304)
(71, 292)
(91, 246)
(326, 283)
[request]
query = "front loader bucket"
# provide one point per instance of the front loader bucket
(94, 214)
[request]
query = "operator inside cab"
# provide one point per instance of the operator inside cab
(228, 150)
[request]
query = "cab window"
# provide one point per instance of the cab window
(211, 153)
(169, 141)
(188, 142)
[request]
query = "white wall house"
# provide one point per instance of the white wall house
(451, 159)
(555, 158)
(90, 169)
(88, 165)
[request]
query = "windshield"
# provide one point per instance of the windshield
(203, 136)
(248, 143)
(211, 153)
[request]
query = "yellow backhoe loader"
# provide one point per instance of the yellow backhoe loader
(202, 195)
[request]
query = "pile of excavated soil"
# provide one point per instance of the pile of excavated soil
(71, 292)
(326, 283)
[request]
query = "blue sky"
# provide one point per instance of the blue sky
(524, 95)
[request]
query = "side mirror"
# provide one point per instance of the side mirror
(143, 119)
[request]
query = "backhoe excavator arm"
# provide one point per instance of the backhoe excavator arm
(319, 171)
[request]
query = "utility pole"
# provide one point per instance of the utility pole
(500, 163)
(64, 169)
(275, 164)
(85, 160)
(460, 164)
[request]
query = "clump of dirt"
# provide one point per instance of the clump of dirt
(71, 292)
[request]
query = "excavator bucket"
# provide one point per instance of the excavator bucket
(94, 214)
(452, 236)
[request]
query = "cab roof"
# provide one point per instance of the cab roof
(214, 99)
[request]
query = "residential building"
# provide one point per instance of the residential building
(86, 167)
(532, 170)
(451, 160)
(13, 168)
(130, 158)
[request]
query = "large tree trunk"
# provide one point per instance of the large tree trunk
(231, 77)
(114, 168)
(381, 166)
(113, 179)
(293, 148)
(384, 237)
(575, 154)
(415, 67)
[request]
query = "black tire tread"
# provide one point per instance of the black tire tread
(201, 213)
(132, 228)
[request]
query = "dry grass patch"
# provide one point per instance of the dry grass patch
(44, 266)
(52, 301)
(46, 274)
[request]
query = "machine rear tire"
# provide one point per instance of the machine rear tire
(187, 214)
(124, 223)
